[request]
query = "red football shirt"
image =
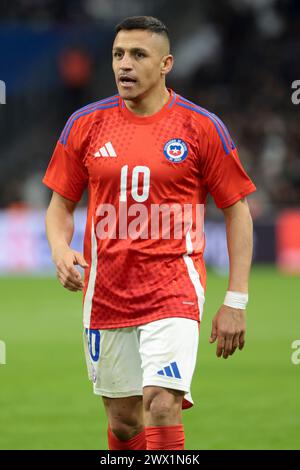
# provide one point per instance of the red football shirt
(148, 179)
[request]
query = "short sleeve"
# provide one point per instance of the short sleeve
(66, 173)
(221, 169)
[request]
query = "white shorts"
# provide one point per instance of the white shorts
(162, 353)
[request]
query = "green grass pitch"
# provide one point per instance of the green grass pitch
(249, 401)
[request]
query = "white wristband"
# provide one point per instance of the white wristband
(236, 300)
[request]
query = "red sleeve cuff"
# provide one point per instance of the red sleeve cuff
(62, 192)
(251, 188)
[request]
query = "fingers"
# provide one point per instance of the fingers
(241, 340)
(228, 327)
(79, 259)
(235, 343)
(68, 284)
(224, 347)
(227, 346)
(69, 277)
(214, 332)
(220, 345)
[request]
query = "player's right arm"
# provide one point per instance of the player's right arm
(67, 177)
(60, 229)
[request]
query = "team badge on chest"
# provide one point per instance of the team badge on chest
(176, 150)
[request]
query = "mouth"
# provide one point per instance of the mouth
(127, 82)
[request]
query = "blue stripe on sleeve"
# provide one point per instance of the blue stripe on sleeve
(91, 106)
(216, 124)
(223, 129)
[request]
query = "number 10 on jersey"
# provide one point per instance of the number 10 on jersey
(144, 171)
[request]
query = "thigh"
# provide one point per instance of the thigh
(113, 362)
(168, 349)
(127, 410)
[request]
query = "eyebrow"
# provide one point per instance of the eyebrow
(133, 49)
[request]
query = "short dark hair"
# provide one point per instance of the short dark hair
(148, 23)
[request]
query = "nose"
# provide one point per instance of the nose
(126, 62)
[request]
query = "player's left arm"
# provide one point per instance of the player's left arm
(229, 324)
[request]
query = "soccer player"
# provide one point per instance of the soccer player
(145, 154)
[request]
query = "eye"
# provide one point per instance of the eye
(117, 54)
(140, 55)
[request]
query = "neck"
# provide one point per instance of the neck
(150, 103)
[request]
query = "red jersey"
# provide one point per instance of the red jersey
(139, 170)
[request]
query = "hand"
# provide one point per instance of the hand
(68, 276)
(229, 327)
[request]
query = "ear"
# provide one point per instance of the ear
(166, 64)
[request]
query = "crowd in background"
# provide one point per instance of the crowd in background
(238, 58)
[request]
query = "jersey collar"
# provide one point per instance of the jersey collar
(148, 119)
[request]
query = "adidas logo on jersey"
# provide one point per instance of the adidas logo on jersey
(170, 371)
(106, 151)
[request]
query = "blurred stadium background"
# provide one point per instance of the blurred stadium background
(238, 58)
